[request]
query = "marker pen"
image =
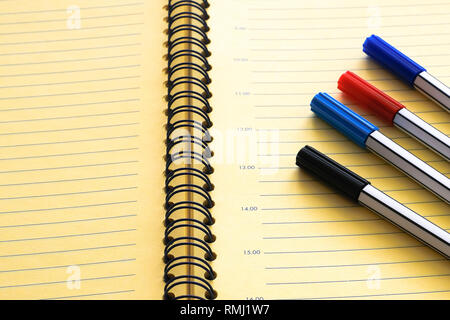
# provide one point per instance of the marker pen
(395, 113)
(362, 191)
(366, 135)
(408, 70)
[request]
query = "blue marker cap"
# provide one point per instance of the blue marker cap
(392, 59)
(342, 118)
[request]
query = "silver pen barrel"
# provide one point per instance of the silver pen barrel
(433, 89)
(406, 162)
(408, 220)
(423, 132)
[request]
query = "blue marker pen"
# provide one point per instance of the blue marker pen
(408, 70)
(366, 135)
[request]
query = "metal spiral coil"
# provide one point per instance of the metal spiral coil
(188, 186)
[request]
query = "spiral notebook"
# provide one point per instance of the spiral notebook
(148, 150)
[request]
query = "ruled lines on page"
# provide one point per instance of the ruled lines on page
(71, 137)
(299, 239)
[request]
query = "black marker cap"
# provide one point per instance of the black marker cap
(330, 171)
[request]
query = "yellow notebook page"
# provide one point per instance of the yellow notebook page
(281, 234)
(81, 140)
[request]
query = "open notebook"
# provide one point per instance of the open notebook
(82, 141)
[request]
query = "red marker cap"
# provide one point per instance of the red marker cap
(366, 94)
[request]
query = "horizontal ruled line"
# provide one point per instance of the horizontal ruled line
(347, 17)
(67, 94)
(70, 50)
(328, 153)
(350, 165)
(344, 250)
(69, 39)
(355, 265)
(340, 69)
(70, 129)
(67, 60)
(336, 235)
(369, 115)
(69, 207)
(341, 48)
(343, 206)
(322, 221)
(64, 20)
(347, 7)
(346, 38)
(69, 71)
(65, 9)
(68, 193)
(342, 27)
(286, 117)
(333, 236)
(65, 155)
(65, 266)
(307, 208)
(344, 221)
(324, 193)
(379, 295)
(333, 140)
(68, 141)
(354, 104)
(67, 180)
(358, 58)
(312, 70)
(91, 294)
(66, 221)
(70, 30)
(65, 281)
(296, 194)
(70, 105)
(71, 117)
(309, 180)
(358, 280)
(73, 167)
(67, 251)
(324, 128)
(68, 236)
(68, 82)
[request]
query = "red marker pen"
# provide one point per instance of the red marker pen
(394, 112)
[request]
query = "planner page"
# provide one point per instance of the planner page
(281, 233)
(82, 142)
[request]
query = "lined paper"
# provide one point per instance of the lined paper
(81, 140)
(295, 238)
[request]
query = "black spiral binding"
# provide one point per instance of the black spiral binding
(188, 111)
